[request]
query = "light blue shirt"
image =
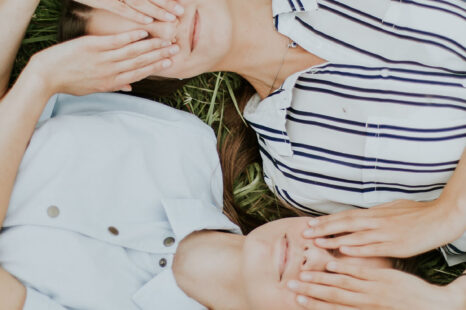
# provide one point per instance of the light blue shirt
(108, 187)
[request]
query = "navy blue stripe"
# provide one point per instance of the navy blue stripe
(262, 127)
(292, 5)
(276, 22)
(396, 78)
(394, 34)
(371, 159)
(375, 126)
(276, 93)
(370, 167)
(295, 204)
(372, 99)
(433, 7)
(274, 139)
(397, 26)
(301, 6)
(379, 91)
(356, 190)
(278, 163)
(375, 134)
(309, 210)
(450, 4)
(454, 248)
(370, 53)
(424, 73)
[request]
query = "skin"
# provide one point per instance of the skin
(243, 272)
(229, 39)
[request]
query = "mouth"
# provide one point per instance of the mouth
(283, 259)
(195, 31)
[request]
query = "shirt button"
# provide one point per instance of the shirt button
(113, 231)
(163, 262)
(53, 211)
(168, 242)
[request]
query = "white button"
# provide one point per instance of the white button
(168, 242)
(385, 73)
(53, 211)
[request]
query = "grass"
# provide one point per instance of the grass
(206, 96)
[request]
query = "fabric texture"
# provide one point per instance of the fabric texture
(108, 188)
(384, 118)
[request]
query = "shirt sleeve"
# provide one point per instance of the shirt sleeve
(39, 301)
(455, 252)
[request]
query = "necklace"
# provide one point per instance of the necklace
(291, 44)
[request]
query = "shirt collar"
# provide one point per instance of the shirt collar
(290, 6)
(162, 292)
(185, 216)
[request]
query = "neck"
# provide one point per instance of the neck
(259, 53)
(206, 268)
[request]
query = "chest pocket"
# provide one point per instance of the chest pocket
(411, 159)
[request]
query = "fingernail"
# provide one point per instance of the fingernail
(308, 232)
(332, 266)
(148, 20)
(166, 63)
(305, 276)
(301, 300)
(313, 222)
(166, 43)
(344, 249)
(179, 10)
(170, 17)
(320, 241)
(293, 285)
(143, 34)
(174, 49)
(126, 89)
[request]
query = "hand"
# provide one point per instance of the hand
(351, 287)
(402, 229)
(100, 64)
(140, 11)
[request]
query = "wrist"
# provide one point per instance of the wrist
(453, 207)
(456, 292)
(38, 78)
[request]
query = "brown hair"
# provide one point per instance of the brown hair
(237, 150)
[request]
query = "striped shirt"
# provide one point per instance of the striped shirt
(383, 119)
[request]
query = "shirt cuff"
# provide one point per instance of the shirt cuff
(455, 252)
(39, 301)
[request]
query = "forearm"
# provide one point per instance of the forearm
(15, 16)
(12, 292)
(20, 110)
(454, 194)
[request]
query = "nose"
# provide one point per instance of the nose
(315, 258)
(163, 30)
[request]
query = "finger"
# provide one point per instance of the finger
(148, 8)
(334, 279)
(106, 43)
(354, 239)
(326, 293)
(172, 6)
(122, 9)
(372, 250)
(135, 49)
(356, 271)
(314, 304)
(145, 59)
(141, 73)
(349, 224)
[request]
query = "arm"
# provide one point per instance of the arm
(14, 19)
(78, 67)
(399, 229)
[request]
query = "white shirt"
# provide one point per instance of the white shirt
(108, 187)
(383, 119)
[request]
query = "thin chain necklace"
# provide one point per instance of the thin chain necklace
(291, 44)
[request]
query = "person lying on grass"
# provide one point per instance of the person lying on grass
(114, 202)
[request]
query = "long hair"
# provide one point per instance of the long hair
(237, 150)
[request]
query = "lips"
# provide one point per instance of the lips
(283, 256)
(195, 32)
